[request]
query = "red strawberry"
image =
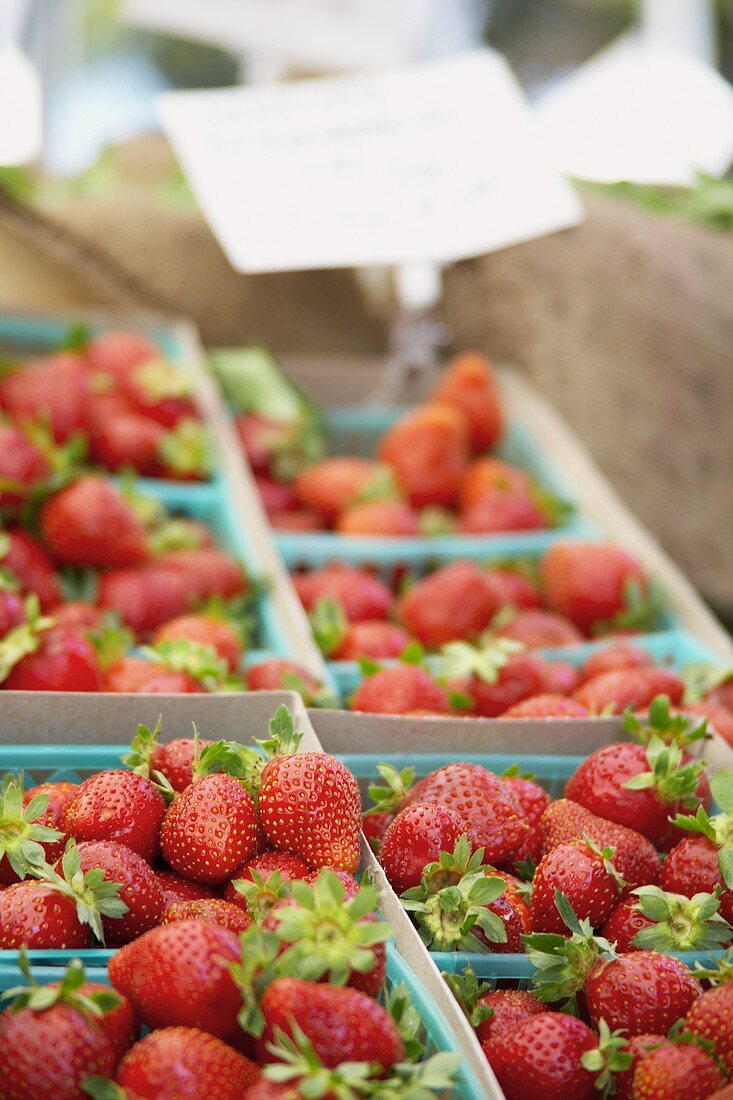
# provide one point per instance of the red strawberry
(139, 888)
(54, 660)
(487, 475)
(642, 991)
(276, 497)
(401, 689)
(597, 585)
(309, 803)
(384, 518)
(542, 1059)
(711, 1016)
(494, 674)
(535, 628)
(341, 1024)
(587, 877)
(546, 706)
(178, 1062)
(23, 465)
(677, 1071)
(117, 805)
(92, 523)
(635, 858)
(719, 718)
(651, 918)
(58, 794)
(216, 910)
(497, 511)
(532, 798)
(117, 353)
(132, 675)
(278, 674)
(12, 610)
(559, 678)
(177, 889)
(636, 787)
(297, 519)
(618, 689)
(145, 598)
(331, 485)
(509, 587)
(638, 1047)
(615, 657)
(208, 571)
(178, 975)
(491, 814)
(374, 826)
(468, 383)
(210, 829)
(52, 389)
(289, 866)
(27, 562)
(416, 837)
(77, 617)
(457, 601)
(160, 391)
(27, 831)
(262, 438)
(358, 592)
(509, 1008)
(119, 437)
(345, 641)
(427, 450)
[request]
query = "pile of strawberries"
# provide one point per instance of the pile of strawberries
(224, 874)
(433, 474)
(110, 401)
(601, 888)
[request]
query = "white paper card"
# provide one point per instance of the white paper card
(434, 161)
(318, 34)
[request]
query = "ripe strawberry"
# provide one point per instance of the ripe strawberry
(619, 689)
(276, 496)
(495, 674)
(178, 1062)
(401, 689)
(667, 922)
(341, 1024)
(621, 655)
(53, 389)
(546, 706)
(262, 438)
(26, 562)
(208, 570)
(289, 866)
(52, 1039)
(177, 889)
(12, 609)
(159, 391)
(456, 601)
(498, 511)
(178, 974)
(515, 588)
(58, 795)
(536, 628)
(711, 1016)
(677, 1071)
(427, 450)
(146, 597)
(642, 991)
(384, 518)
(119, 437)
(91, 523)
(358, 592)
(532, 798)
(719, 718)
(542, 1059)
(492, 817)
(27, 833)
(117, 805)
(175, 760)
(487, 475)
(345, 641)
(636, 787)
(117, 353)
(132, 675)
(331, 485)
(210, 829)
(587, 877)
(278, 674)
(509, 1007)
(635, 858)
(139, 888)
(216, 910)
(468, 383)
(598, 586)
(23, 465)
(44, 659)
(416, 837)
(296, 519)
(638, 1047)
(309, 803)
(77, 617)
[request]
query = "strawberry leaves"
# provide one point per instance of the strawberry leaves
(95, 897)
(563, 963)
(21, 835)
(719, 828)
(329, 625)
(284, 739)
(24, 639)
(672, 729)
(40, 997)
(681, 923)
(671, 780)
(457, 660)
(389, 796)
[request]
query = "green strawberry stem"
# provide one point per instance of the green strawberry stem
(186, 449)
(94, 896)
(240, 761)
(681, 923)
(259, 967)
(389, 796)
(702, 677)
(40, 997)
(720, 973)
(142, 748)
(284, 739)
(671, 780)
(468, 991)
(24, 639)
(671, 728)
(198, 661)
(262, 892)
(610, 1057)
(457, 660)
(21, 836)
(329, 625)
(562, 963)
(297, 1061)
(719, 828)
(643, 604)
(101, 1088)
(401, 1007)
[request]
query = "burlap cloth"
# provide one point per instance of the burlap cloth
(626, 323)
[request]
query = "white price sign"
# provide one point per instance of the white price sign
(320, 34)
(434, 161)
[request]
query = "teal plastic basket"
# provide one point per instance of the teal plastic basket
(355, 430)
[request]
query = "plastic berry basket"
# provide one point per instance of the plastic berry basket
(354, 429)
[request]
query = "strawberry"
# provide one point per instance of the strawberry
(636, 787)
(178, 1062)
(635, 857)
(456, 601)
(52, 1038)
(117, 805)
(266, 880)
(117, 353)
(132, 675)
(637, 1047)
(487, 475)
(175, 889)
(498, 511)
(509, 1008)
(612, 658)
(496, 674)
(719, 718)
(47, 911)
(545, 1058)
(659, 921)
(58, 794)
(174, 760)
(532, 798)
(329, 486)
(208, 572)
(139, 888)
(120, 438)
(178, 975)
(91, 523)
(309, 803)
(400, 689)
(146, 597)
(289, 866)
(416, 837)
(216, 910)
(278, 674)
(492, 817)
(383, 518)
(546, 706)
(25, 561)
(587, 877)
(598, 587)
(210, 829)
(23, 465)
(711, 1016)
(296, 519)
(468, 383)
(276, 496)
(344, 641)
(559, 677)
(677, 1071)
(76, 616)
(514, 587)
(27, 834)
(535, 628)
(37, 657)
(261, 438)
(427, 450)
(53, 389)
(619, 689)
(374, 825)
(159, 391)
(12, 609)
(358, 592)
